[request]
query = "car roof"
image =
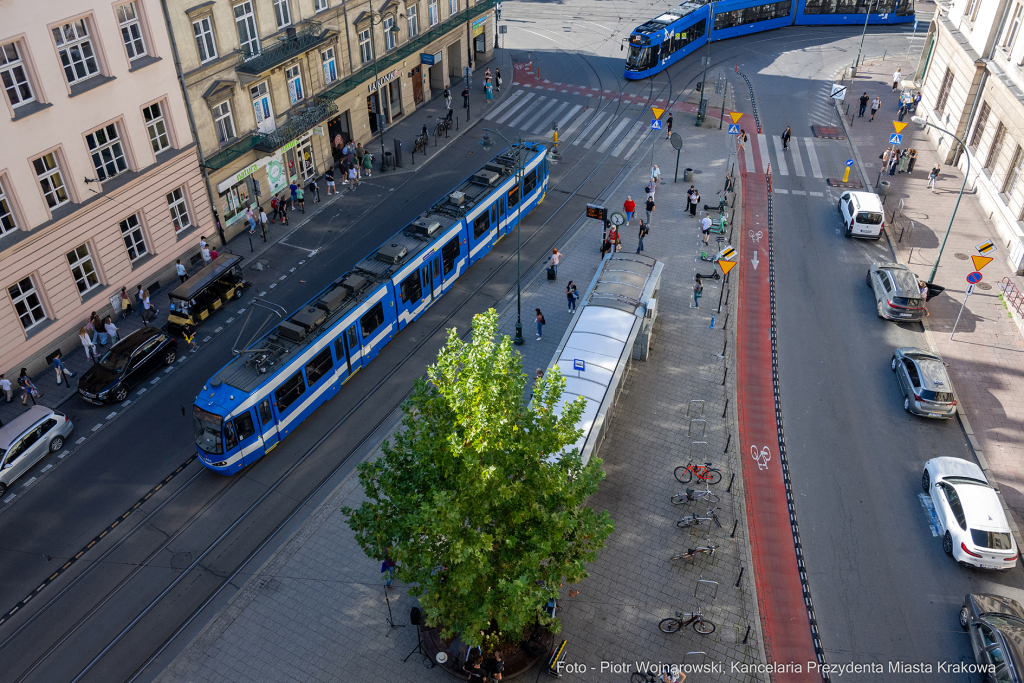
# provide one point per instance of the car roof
(13, 429)
(906, 282)
(867, 200)
(982, 507)
(132, 341)
(933, 375)
(957, 467)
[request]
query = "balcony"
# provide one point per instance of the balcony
(298, 40)
(318, 110)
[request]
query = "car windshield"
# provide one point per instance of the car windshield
(1001, 621)
(207, 430)
(115, 359)
(869, 217)
(937, 396)
(996, 540)
(964, 480)
(907, 302)
(641, 58)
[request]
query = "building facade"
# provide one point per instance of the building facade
(276, 85)
(99, 181)
(972, 74)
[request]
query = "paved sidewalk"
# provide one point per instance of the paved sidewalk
(986, 354)
(316, 610)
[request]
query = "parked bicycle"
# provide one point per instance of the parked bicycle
(691, 495)
(421, 142)
(705, 472)
(695, 520)
(443, 124)
(681, 619)
(691, 554)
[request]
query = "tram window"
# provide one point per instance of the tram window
(289, 391)
(494, 213)
(372, 320)
(750, 15)
(353, 339)
(244, 426)
(264, 410)
(904, 8)
(229, 436)
(411, 288)
(530, 182)
(481, 224)
(513, 196)
(666, 49)
(633, 58)
(449, 253)
(319, 366)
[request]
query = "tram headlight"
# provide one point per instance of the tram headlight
(222, 463)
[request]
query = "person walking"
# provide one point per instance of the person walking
(556, 258)
(465, 97)
(149, 311)
(705, 227)
(643, 233)
(904, 110)
(95, 325)
(740, 139)
(913, 160)
(251, 220)
(904, 160)
(876, 104)
(28, 390)
(264, 221)
(695, 203)
(111, 329)
(189, 334)
(447, 98)
(206, 261)
(274, 211)
(570, 297)
(368, 163)
(314, 189)
(649, 207)
(497, 79)
(126, 303)
(786, 135)
(180, 269)
(90, 348)
(294, 189)
(689, 198)
(488, 92)
(668, 127)
(629, 206)
(655, 177)
(5, 386)
(896, 78)
(329, 179)
(698, 292)
(300, 198)
(497, 11)
(62, 372)
(864, 99)
(729, 184)
(283, 206)
(614, 240)
(353, 177)
(540, 324)
(933, 176)
(922, 288)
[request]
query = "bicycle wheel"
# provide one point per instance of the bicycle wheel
(670, 625)
(703, 627)
(712, 476)
(686, 522)
(683, 473)
(711, 498)
(679, 499)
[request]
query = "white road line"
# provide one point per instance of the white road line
(291, 270)
(598, 132)
(780, 156)
(636, 144)
(282, 277)
(512, 110)
(47, 467)
(111, 416)
(242, 310)
(11, 497)
(273, 284)
(501, 107)
(263, 293)
(816, 194)
(142, 391)
(229, 321)
(586, 131)
(815, 166)
(97, 427)
(779, 191)
(526, 112)
(30, 482)
(545, 123)
(799, 192)
(762, 144)
(929, 510)
(547, 106)
(562, 130)
(207, 339)
(80, 440)
(170, 369)
(748, 157)
(610, 138)
(154, 380)
(580, 119)
(637, 127)
(126, 403)
(218, 330)
(798, 161)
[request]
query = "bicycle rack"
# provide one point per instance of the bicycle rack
(704, 454)
(714, 592)
(703, 426)
(689, 406)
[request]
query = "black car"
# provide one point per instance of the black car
(127, 363)
(996, 627)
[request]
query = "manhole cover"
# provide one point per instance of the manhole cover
(962, 257)
(983, 286)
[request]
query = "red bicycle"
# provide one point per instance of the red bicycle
(705, 472)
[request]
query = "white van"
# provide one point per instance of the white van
(863, 215)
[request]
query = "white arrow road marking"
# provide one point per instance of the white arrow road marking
(754, 260)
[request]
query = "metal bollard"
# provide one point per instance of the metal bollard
(734, 525)
(739, 578)
(731, 479)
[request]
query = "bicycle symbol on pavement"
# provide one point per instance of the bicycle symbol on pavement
(761, 457)
(756, 236)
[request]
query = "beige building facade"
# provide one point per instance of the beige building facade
(275, 85)
(99, 181)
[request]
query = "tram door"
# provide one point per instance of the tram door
(505, 229)
(267, 425)
(250, 441)
(347, 348)
(437, 275)
(427, 283)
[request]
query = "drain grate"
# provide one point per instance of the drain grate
(962, 257)
(984, 286)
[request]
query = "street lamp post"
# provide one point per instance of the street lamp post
(923, 122)
(862, 35)
(487, 143)
(702, 108)
(381, 118)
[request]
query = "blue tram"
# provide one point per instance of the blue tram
(269, 388)
(664, 40)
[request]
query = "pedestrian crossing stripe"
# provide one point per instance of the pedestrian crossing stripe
(734, 129)
(895, 139)
(726, 266)
(655, 124)
(657, 112)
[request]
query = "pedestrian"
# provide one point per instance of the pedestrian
(614, 240)
(475, 671)
(649, 190)
(488, 92)
(126, 303)
(190, 337)
(916, 101)
(283, 206)
(495, 666)
(655, 176)
(299, 197)
(540, 324)
(96, 326)
(314, 189)
(556, 258)
(668, 127)
(705, 227)
(206, 260)
(894, 162)
(740, 139)
(213, 254)
(904, 160)
(876, 104)
(786, 135)
(251, 220)
(329, 179)
(465, 97)
(5, 386)
(649, 207)
(448, 98)
(274, 210)
(689, 198)
(138, 296)
(606, 244)
(497, 11)
(264, 221)
(576, 296)
(913, 160)
(487, 74)
(111, 329)
(933, 176)
(698, 291)
(570, 297)
(388, 567)
(368, 163)
(497, 78)
(696, 201)
(643, 233)
(202, 245)
(729, 183)
(896, 78)
(62, 372)
(180, 269)
(864, 99)
(629, 206)
(922, 288)
(353, 177)
(28, 390)
(149, 311)
(294, 189)
(90, 348)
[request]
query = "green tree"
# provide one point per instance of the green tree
(484, 526)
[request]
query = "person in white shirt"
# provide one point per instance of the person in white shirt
(556, 258)
(180, 269)
(705, 227)
(896, 78)
(5, 386)
(655, 176)
(498, 11)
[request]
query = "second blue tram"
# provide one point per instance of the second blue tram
(269, 388)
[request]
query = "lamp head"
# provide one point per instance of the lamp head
(918, 119)
(486, 142)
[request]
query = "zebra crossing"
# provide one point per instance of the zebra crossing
(760, 153)
(537, 114)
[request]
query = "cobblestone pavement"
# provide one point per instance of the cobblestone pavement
(316, 610)
(986, 354)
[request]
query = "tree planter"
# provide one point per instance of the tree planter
(517, 661)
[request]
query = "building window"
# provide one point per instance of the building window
(204, 39)
(179, 210)
(7, 223)
(390, 39)
(106, 151)
(157, 127)
(82, 269)
(48, 173)
(282, 13)
(453, 7)
(330, 66)
(294, 79)
(414, 22)
(1012, 28)
(365, 50)
(972, 9)
(131, 32)
(320, 5)
(14, 76)
(432, 12)
(997, 145)
(75, 49)
(245, 22)
(947, 84)
(979, 127)
(134, 240)
(223, 121)
(1014, 175)
(27, 304)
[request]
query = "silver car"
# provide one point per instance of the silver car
(926, 388)
(897, 293)
(27, 438)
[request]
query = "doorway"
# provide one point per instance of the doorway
(417, 86)
(454, 60)
(394, 98)
(339, 129)
(480, 43)
(436, 73)
(372, 111)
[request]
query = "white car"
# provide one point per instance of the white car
(971, 520)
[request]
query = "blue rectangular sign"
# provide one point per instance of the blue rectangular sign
(580, 365)
(426, 59)
(895, 139)
(655, 124)
(734, 129)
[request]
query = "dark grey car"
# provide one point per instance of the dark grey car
(996, 627)
(924, 382)
(897, 294)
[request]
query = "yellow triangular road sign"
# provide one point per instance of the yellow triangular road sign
(657, 112)
(899, 126)
(981, 261)
(726, 266)
(735, 115)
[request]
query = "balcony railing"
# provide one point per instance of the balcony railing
(305, 37)
(318, 110)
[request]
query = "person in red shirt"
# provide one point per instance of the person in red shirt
(629, 207)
